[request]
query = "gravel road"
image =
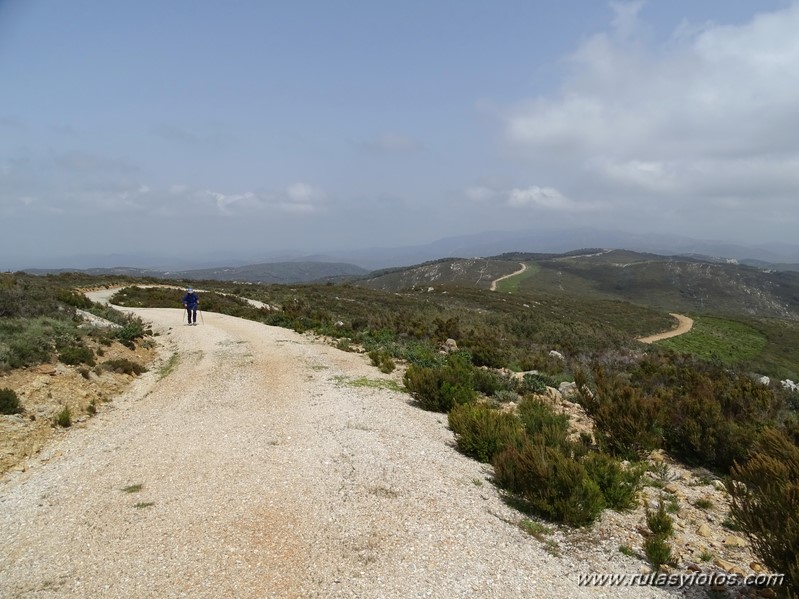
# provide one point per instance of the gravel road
(265, 472)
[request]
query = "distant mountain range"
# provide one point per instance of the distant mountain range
(490, 243)
(275, 272)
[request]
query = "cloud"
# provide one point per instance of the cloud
(711, 113)
(548, 198)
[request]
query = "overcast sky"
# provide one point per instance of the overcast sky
(185, 128)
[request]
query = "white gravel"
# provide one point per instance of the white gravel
(270, 477)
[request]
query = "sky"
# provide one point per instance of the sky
(192, 129)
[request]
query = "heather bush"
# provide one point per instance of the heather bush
(661, 527)
(619, 485)
(124, 366)
(764, 491)
(482, 431)
(627, 421)
(76, 354)
(9, 402)
(440, 389)
(542, 423)
(553, 485)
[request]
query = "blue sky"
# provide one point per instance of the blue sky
(198, 128)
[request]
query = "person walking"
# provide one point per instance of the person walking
(191, 302)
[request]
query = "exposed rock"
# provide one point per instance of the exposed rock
(451, 345)
(729, 567)
(704, 530)
(567, 390)
(790, 385)
(764, 380)
(757, 567)
(733, 541)
(556, 354)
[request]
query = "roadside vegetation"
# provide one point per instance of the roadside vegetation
(39, 322)
(694, 397)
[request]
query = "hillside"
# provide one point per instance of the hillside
(668, 283)
(476, 272)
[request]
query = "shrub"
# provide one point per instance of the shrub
(382, 359)
(123, 365)
(9, 402)
(64, 418)
(764, 492)
(626, 420)
(535, 383)
(440, 389)
(619, 485)
(132, 330)
(489, 382)
(76, 354)
(661, 527)
(553, 484)
(481, 431)
(541, 422)
(657, 550)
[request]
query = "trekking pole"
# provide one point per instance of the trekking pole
(182, 318)
(202, 319)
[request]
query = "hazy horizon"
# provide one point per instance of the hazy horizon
(187, 129)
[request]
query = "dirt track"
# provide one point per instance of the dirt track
(264, 474)
(684, 324)
(513, 274)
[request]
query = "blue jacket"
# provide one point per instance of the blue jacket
(191, 300)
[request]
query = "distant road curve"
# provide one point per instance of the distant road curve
(513, 274)
(684, 324)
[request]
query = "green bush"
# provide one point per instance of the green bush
(482, 431)
(132, 330)
(64, 418)
(764, 492)
(9, 402)
(541, 422)
(124, 366)
(661, 527)
(627, 422)
(533, 382)
(554, 485)
(76, 354)
(657, 550)
(619, 485)
(440, 389)
(382, 359)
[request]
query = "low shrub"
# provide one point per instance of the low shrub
(64, 418)
(535, 383)
(123, 365)
(619, 485)
(764, 492)
(76, 354)
(132, 330)
(541, 422)
(661, 527)
(9, 402)
(442, 388)
(382, 359)
(554, 485)
(482, 431)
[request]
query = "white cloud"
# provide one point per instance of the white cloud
(548, 198)
(712, 113)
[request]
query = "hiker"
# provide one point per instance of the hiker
(190, 302)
